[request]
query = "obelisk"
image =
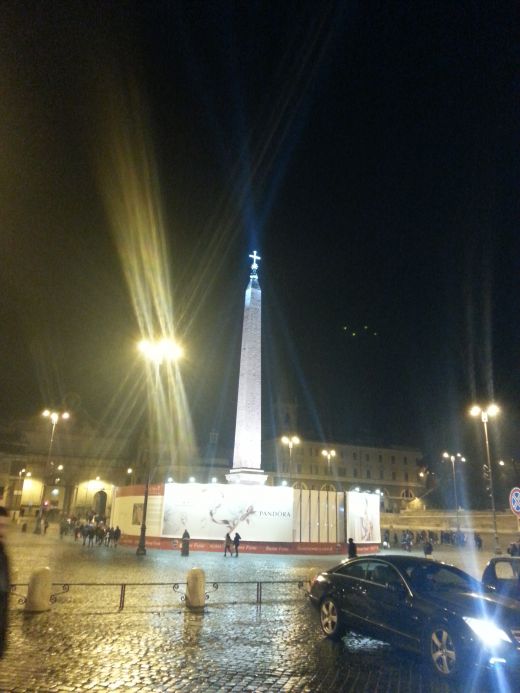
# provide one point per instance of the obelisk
(248, 431)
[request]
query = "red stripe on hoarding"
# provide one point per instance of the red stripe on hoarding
(251, 546)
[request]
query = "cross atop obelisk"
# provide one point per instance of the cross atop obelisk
(254, 266)
(248, 431)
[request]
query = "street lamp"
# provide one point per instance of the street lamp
(454, 458)
(290, 442)
(156, 353)
(328, 454)
(159, 351)
(21, 478)
(54, 417)
(484, 414)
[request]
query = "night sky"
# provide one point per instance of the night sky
(367, 150)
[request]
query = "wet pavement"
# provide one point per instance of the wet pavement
(155, 644)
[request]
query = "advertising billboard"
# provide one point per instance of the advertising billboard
(363, 517)
(209, 511)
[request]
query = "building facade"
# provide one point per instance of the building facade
(79, 472)
(86, 464)
(397, 473)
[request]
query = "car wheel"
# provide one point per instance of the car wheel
(442, 650)
(331, 619)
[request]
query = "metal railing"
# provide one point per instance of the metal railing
(172, 587)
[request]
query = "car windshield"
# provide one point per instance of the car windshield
(435, 577)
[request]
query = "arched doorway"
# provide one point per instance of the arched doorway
(300, 484)
(100, 503)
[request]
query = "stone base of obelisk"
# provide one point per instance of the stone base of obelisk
(242, 475)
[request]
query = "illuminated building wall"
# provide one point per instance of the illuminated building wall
(259, 514)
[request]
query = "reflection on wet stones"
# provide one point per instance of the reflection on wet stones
(192, 627)
(159, 646)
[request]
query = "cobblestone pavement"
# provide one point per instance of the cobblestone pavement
(156, 644)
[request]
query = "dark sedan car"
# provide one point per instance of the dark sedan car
(423, 605)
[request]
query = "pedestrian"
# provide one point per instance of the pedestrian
(236, 542)
(100, 532)
(109, 536)
(91, 533)
(185, 546)
(4, 581)
(427, 548)
(117, 536)
(228, 544)
(352, 548)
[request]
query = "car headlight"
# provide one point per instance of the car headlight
(489, 633)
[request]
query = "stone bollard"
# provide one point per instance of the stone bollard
(311, 574)
(39, 592)
(196, 589)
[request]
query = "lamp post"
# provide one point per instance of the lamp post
(21, 479)
(328, 454)
(484, 414)
(155, 353)
(290, 442)
(54, 417)
(454, 458)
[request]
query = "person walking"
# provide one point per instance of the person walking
(91, 533)
(117, 536)
(352, 548)
(236, 542)
(185, 544)
(427, 548)
(228, 545)
(5, 582)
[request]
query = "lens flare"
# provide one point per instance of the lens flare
(129, 183)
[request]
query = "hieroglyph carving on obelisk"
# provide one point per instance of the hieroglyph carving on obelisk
(248, 431)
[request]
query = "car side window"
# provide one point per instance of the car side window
(504, 571)
(383, 574)
(353, 570)
(434, 577)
